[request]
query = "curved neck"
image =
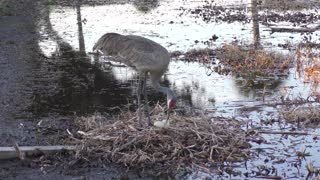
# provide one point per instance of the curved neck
(168, 91)
(170, 94)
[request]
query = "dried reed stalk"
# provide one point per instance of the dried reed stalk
(189, 140)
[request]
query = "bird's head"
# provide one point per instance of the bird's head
(172, 103)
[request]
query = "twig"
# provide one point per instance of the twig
(125, 145)
(207, 170)
(20, 154)
(269, 177)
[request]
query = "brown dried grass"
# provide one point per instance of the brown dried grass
(309, 114)
(308, 66)
(244, 60)
(189, 140)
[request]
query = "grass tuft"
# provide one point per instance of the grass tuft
(250, 62)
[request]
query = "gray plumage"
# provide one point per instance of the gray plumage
(142, 54)
(138, 52)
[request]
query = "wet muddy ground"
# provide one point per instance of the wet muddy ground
(46, 85)
(38, 103)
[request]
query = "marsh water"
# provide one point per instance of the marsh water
(179, 25)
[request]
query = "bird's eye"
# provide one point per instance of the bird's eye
(172, 104)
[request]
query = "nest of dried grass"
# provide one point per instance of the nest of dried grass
(196, 141)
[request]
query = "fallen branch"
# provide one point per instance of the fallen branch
(270, 177)
(288, 133)
(11, 152)
(290, 29)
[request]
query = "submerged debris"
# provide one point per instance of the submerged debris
(188, 141)
(201, 55)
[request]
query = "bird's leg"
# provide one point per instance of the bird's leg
(146, 102)
(139, 100)
(168, 114)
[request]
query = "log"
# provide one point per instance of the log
(11, 153)
(294, 29)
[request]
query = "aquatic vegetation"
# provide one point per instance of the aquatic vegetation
(302, 114)
(308, 65)
(250, 62)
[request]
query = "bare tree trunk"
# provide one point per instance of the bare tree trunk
(255, 20)
(80, 31)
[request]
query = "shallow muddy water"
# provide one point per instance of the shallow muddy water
(177, 30)
(172, 24)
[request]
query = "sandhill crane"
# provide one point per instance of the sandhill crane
(143, 55)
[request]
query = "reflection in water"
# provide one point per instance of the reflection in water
(260, 88)
(68, 83)
(76, 87)
(145, 5)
